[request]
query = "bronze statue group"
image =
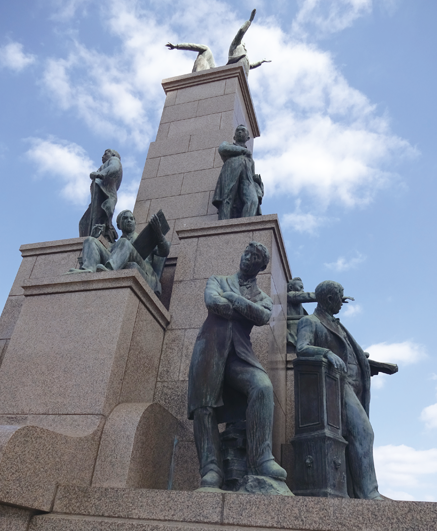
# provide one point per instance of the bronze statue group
(227, 383)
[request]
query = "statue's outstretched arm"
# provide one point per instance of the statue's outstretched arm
(188, 46)
(259, 63)
(295, 297)
(241, 32)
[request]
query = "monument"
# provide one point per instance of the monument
(94, 376)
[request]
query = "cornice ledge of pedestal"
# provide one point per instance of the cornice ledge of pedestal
(217, 74)
(124, 278)
(55, 246)
(194, 229)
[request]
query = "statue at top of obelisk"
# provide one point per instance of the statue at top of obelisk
(237, 49)
(204, 59)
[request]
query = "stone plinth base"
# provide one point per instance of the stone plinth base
(99, 509)
(77, 386)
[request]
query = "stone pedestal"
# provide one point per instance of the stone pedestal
(92, 509)
(40, 260)
(82, 345)
(201, 111)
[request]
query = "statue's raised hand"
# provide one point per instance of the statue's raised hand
(171, 46)
(156, 226)
(345, 299)
(252, 15)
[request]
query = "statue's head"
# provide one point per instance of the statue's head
(110, 153)
(126, 221)
(241, 135)
(254, 259)
(295, 284)
(329, 295)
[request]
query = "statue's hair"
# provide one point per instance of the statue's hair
(325, 288)
(114, 153)
(120, 215)
(293, 280)
(263, 250)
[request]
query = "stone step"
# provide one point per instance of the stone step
(113, 509)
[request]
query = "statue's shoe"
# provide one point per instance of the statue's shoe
(101, 267)
(270, 469)
(212, 480)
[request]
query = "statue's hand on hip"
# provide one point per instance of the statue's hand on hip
(336, 361)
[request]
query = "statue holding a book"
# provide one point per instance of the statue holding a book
(145, 252)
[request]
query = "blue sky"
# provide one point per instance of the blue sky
(348, 115)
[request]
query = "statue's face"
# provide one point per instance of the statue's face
(335, 301)
(241, 135)
(106, 155)
(127, 222)
(295, 286)
(251, 262)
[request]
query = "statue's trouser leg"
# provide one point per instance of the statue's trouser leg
(206, 435)
(123, 252)
(360, 448)
(256, 385)
(93, 253)
(249, 198)
(98, 215)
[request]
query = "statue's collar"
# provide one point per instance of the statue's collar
(320, 312)
(244, 145)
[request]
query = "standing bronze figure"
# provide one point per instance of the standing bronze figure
(239, 190)
(104, 186)
(226, 381)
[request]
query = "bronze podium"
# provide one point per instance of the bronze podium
(319, 448)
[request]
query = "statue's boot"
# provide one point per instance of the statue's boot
(101, 267)
(212, 480)
(270, 469)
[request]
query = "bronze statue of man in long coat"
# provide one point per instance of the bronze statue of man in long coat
(104, 186)
(224, 365)
(321, 335)
(239, 191)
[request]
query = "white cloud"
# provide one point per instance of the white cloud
(304, 221)
(429, 416)
(65, 161)
(13, 57)
(401, 467)
(328, 16)
(67, 9)
(126, 197)
(405, 353)
(344, 264)
(351, 310)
